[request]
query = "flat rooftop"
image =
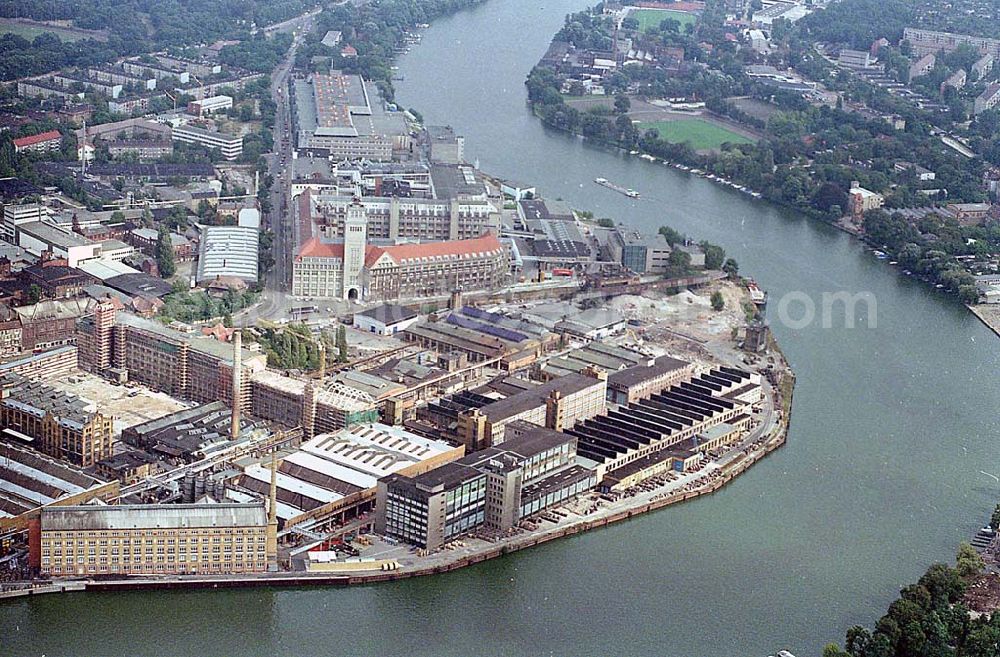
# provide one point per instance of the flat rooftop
(141, 516)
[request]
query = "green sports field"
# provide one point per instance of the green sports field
(29, 32)
(702, 135)
(650, 18)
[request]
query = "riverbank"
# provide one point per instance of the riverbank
(988, 315)
(709, 480)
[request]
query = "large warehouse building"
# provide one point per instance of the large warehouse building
(335, 474)
(335, 113)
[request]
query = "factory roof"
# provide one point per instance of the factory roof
(535, 397)
(532, 439)
(103, 269)
(38, 399)
(29, 479)
(389, 313)
(228, 251)
(54, 235)
(143, 516)
(639, 373)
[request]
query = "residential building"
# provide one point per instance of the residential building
(143, 149)
(230, 146)
(982, 66)
(956, 80)
(209, 105)
(922, 66)
(988, 99)
(854, 58)
(861, 200)
(219, 538)
(969, 214)
(929, 41)
(40, 143)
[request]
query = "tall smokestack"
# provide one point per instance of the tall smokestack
(237, 396)
(271, 546)
(322, 363)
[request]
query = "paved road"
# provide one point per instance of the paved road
(275, 302)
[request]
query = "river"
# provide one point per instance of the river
(880, 477)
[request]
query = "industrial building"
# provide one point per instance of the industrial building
(483, 337)
(316, 406)
(492, 489)
(29, 480)
(190, 434)
(478, 419)
(406, 271)
(227, 253)
(643, 380)
(445, 146)
(56, 423)
(643, 254)
(183, 365)
(393, 217)
(335, 114)
(387, 319)
(152, 539)
(642, 435)
(335, 474)
(37, 237)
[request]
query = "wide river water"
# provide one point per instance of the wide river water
(881, 475)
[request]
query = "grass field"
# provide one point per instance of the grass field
(29, 32)
(649, 18)
(700, 134)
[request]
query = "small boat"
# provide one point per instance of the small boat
(893, 262)
(881, 255)
(757, 295)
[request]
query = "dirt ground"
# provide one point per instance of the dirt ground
(983, 595)
(685, 324)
